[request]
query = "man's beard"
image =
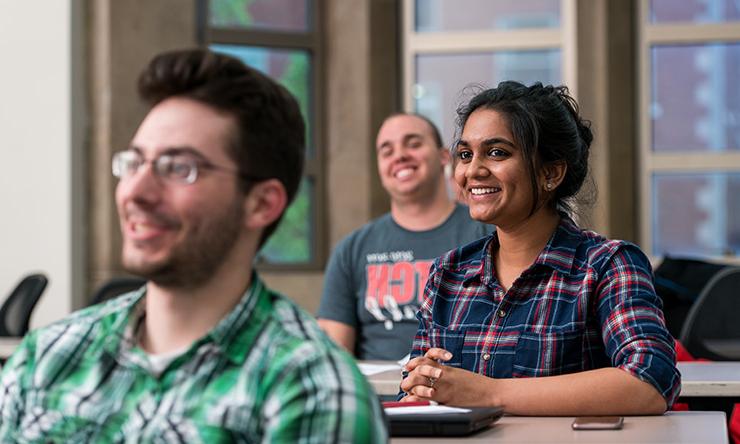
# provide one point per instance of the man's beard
(194, 261)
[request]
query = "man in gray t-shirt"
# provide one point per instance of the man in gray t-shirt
(375, 279)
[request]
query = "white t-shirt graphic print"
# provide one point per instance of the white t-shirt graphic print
(376, 276)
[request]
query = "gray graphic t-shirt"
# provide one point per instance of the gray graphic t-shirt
(376, 277)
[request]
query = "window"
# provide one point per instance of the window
(448, 50)
(690, 131)
(281, 39)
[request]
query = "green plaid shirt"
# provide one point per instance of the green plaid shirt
(264, 373)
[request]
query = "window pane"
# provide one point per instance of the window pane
(291, 242)
(696, 214)
(470, 15)
(695, 99)
(441, 79)
(292, 68)
(696, 11)
(272, 15)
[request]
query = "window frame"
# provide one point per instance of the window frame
(310, 41)
(414, 43)
(675, 33)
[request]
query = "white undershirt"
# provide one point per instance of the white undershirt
(160, 361)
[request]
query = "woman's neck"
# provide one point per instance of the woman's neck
(519, 246)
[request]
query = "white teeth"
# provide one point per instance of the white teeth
(480, 191)
(404, 172)
(139, 227)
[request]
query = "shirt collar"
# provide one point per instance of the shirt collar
(235, 333)
(230, 336)
(558, 253)
(486, 264)
(120, 340)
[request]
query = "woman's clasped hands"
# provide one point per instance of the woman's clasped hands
(429, 379)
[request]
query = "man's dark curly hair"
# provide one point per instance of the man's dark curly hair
(270, 138)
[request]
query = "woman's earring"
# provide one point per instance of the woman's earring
(548, 186)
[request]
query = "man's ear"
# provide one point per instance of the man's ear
(264, 204)
(445, 156)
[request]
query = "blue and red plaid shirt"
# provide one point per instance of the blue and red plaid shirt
(587, 302)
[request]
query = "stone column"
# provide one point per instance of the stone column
(123, 36)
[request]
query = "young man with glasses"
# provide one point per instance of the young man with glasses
(203, 352)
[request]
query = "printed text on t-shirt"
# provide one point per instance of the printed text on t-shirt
(395, 290)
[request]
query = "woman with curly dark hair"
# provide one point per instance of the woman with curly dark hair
(542, 317)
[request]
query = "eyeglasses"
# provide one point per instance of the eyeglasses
(180, 168)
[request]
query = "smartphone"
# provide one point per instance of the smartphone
(598, 423)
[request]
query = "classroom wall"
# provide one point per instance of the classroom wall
(41, 193)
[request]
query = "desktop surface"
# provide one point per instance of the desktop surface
(673, 427)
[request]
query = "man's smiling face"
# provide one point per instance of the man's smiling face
(177, 233)
(410, 163)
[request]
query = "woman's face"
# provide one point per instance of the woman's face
(492, 172)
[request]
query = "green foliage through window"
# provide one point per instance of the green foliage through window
(227, 13)
(292, 241)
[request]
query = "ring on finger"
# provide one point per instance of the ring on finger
(431, 382)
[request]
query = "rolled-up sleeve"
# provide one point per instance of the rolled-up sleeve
(633, 326)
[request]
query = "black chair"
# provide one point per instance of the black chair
(679, 282)
(712, 327)
(115, 287)
(15, 313)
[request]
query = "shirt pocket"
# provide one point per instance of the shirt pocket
(196, 432)
(43, 425)
(548, 354)
(451, 340)
(464, 344)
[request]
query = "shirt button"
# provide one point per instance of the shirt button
(502, 313)
(486, 356)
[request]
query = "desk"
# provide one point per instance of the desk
(710, 385)
(385, 383)
(8, 346)
(699, 379)
(673, 427)
(710, 379)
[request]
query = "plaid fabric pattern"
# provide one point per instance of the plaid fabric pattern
(265, 373)
(587, 302)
